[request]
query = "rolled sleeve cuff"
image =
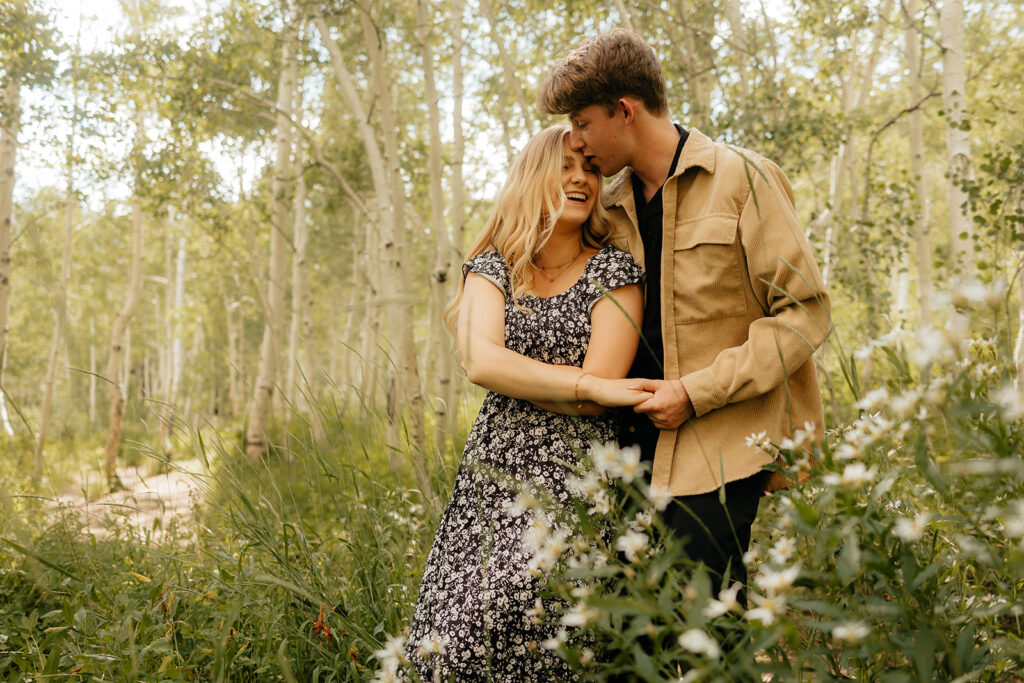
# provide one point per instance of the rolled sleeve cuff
(704, 392)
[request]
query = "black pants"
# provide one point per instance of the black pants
(716, 535)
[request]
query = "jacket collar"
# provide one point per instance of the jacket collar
(699, 150)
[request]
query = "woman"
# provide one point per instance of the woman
(536, 327)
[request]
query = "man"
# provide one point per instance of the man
(735, 304)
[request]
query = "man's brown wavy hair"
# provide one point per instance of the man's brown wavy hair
(602, 69)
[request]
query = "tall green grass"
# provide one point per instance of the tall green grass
(297, 568)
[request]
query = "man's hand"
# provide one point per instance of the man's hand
(669, 407)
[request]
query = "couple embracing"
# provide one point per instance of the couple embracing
(697, 246)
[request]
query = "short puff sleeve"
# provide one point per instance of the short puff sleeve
(492, 266)
(610, 269)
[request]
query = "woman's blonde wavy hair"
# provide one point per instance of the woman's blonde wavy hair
(525, 214)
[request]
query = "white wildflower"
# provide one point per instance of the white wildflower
(698, 641)
(1014, 524)
(751, 556)
(433, 645)
(588, 486)
(905, 404)
(932, 346)
(910, 530)
(846, 451)
(783, 551)
(629, 466)
(580, 615)
(851, 632)
(526, 501)
(659, 497)
(759, 441)
(557, 641)
(631, 543)
(537, 534)
(605, 457)
(855, 475)
(767, 610)
(773, 582)
(537, 611)
(602, 505)
(1011, 401)
(873, 400)
(968, 293)
(393, 652)
(725, 603)
(643, 519)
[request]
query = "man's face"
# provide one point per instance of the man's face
(598, 136)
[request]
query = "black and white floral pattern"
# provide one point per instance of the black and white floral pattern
(471, 621)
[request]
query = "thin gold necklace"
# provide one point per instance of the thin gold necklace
(561, 268)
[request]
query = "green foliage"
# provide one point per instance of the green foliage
(299, 563)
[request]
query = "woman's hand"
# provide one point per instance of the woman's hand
(610, 392)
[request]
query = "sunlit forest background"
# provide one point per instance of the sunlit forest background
(229, 230)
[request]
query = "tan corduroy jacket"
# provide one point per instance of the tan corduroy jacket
(743, 310)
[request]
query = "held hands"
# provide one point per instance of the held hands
(610, 392)
(669, 405)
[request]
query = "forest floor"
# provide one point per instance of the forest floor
(151, 505)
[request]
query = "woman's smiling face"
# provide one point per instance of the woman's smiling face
(581, 182)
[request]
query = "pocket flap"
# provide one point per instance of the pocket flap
(706, 230)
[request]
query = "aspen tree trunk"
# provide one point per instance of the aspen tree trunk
(1018, 350)
(235, 390)
(441, 275)
(380, 220)
(458, 207)
(405, 397)
(958, 140)
(60, 315)
(119, 336)
(922, 227)
(300, 294)
(92, 372)
(389, 207)
(10, 125)
(273, 325)
(372, 325)
(177, 350)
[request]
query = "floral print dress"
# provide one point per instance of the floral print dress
(472, 620)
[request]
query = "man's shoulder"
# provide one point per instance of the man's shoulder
(614, 191)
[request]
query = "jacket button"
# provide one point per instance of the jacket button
(632, 429)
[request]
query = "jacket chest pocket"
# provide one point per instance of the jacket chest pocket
(708, 275)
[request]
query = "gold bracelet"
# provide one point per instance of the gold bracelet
(576, 387)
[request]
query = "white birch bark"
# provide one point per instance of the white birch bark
(958, 140)
(119, 336)
(922, 208)
(441, 273)
(176, 359)
(458, 206)
(92, 372)
(10, 125)
(273, 325)
(405, 394)
(60, 315)
(235, 390)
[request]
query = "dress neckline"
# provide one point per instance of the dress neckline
(586, 268)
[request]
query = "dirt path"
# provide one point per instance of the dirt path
(151, 505)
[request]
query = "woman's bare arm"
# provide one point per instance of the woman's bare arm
(481, 334)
